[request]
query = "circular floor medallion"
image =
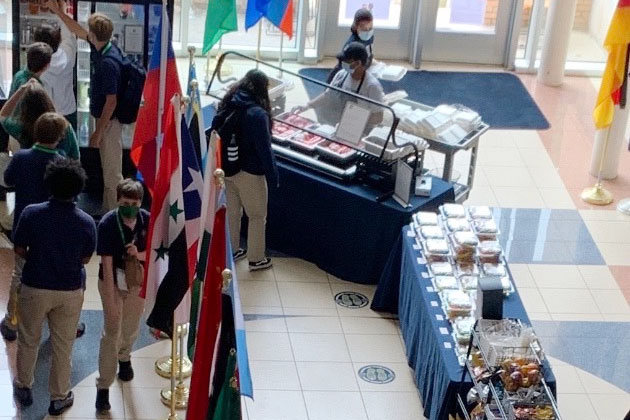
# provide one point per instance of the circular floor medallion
(352, 300)
(376, 374)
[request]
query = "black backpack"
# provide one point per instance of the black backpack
(230, 132)
(129, 97)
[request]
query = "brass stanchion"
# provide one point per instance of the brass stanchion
(181, 390)
(172, 413)
(598, 195)
(163, 365)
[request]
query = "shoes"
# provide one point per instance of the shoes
(23, 395)
(7, 333)
(57, 407)
(102, 401)
(80, 329)
(260, 265)
(239, 254)
(125, 371)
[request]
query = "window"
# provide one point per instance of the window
(386, 12)
(6, 39)
(467, 16)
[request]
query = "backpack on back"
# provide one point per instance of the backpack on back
(230, 132)
(132, 77)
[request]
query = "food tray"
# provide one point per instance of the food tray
(335, 151)
(511, 411)
(282, 132)
(391, 152)
(306, 141)
(295, 120)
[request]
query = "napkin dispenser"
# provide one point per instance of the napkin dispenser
(489, 298)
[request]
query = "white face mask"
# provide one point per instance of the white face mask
(366, 35)
(347, 67)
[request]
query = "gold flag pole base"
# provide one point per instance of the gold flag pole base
(597, 195)
(163, 367)
(181, 396)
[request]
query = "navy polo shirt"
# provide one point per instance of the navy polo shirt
(105, 76)
(110, 241)
(26, 174)
(57, 236)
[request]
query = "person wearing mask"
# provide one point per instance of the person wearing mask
(19, 113)
(53, 281)
(121, 238)
(58, 79)
(243, 122)
(353, 77)
(38, 56)
(362, 31)
(105, 61)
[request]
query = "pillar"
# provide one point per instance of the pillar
(558, 27)
(616, 134)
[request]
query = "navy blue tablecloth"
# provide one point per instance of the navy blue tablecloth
(426, 331)
(338, 226)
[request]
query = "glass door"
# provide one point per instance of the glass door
(393, 24)
(465, 31)
(6, 48)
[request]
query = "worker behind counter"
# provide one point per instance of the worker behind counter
(353, 77)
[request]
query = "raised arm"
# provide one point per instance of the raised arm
(58, 8)
(9, 106)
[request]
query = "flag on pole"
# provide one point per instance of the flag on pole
(279, 13)
(144, 148)
(229, 400)
(194, 117)
(220, 19)
(616, 42)
(166, 278)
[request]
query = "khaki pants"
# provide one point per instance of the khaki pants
(118, 337)
(111, 162)
(62, 309)
(249, 192)
(11, 317)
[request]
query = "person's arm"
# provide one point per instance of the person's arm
(21, 233)
(90, 244)
(10, 175)
(259, 124)
(108, 110)
(70, 145)
(74, 26)
(14, 100)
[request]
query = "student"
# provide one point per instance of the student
(244, 114)
(38, 58)
(353, 77)
(26, 174)
(362, 31)
(52, 280)
(105, 60)
(58, 79)
(121, 236)
(20, 124)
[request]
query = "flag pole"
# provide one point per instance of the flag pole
(173, 414)
(162, 86)
(280, 74)
(598, 195)
(259, 39)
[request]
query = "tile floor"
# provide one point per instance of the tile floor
(569, 260)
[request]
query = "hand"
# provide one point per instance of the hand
(299, 109)
(52, 5)
(32, 82)
(132, 250)
(95, 139)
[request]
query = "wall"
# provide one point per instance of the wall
(582, 13)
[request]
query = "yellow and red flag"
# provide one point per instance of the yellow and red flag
(616, 43)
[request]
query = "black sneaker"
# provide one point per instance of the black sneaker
(8, 333)
(102, 401)
(23, 395)
(57, 407)
(239, 254)
(80, 329)
(125, 371)
(260, 265)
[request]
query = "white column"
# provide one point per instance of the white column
(556, 42)
(616, 134)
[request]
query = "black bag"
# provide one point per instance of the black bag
(132, 77)
(230, 133)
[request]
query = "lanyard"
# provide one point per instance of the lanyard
(120, 228)
(45, 149)
(106, 48)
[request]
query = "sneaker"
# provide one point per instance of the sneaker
(23, 395)
(260, 265)
(125, 371)
(80, 329)
(57, 407)
(7, 332)
(102, 401)
(239, 254)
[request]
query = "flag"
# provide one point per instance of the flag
(229, 400)
(208, 331)
(616, 42)
(166, 278)
(145, 147)
(220, 19)
(208, 211)
(194, 117)
(279, 12)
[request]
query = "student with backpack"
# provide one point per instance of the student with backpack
(243, 122)
(115, 93)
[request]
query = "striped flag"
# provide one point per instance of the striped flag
(166, 278)
(194, 117)
(279, 12)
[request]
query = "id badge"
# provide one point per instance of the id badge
(121, 281)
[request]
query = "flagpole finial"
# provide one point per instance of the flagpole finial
(219, 176)
(192, 50)
(194, 84)
(227, 278)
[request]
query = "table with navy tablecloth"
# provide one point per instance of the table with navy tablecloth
(340, 227)
(426, 330)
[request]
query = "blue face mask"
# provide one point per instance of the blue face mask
(347, 67)
(366, 35)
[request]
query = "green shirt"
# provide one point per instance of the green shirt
(20, 78)
(68, 146)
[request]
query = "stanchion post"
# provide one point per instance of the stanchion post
(598, 195)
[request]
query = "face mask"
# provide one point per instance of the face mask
(128, 212)
(347, 67)
(366, 35)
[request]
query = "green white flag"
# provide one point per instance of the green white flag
(220, 19)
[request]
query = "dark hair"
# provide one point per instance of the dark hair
(38, 56)
(129, 188)
(361, 15)
(64, 178)
(50, 127)
(256, 83)
(48, 34)
(35, 103)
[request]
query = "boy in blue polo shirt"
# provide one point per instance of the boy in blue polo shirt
(52, 280)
